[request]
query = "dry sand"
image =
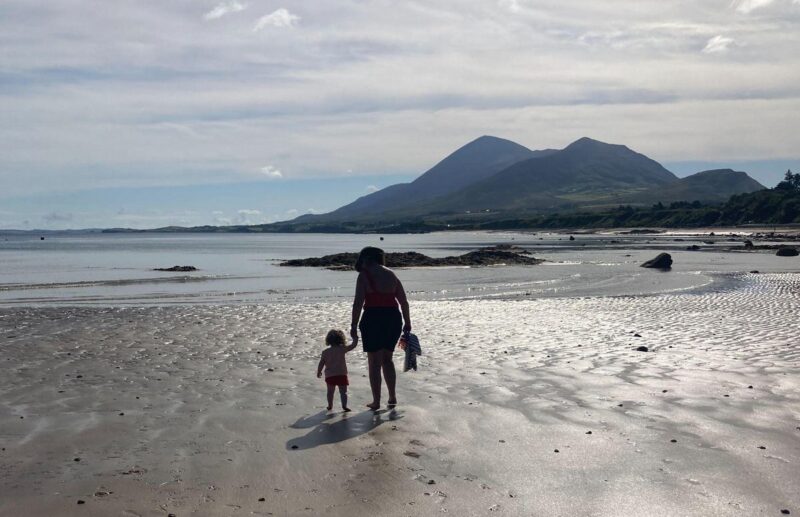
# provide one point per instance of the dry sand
(538, 407)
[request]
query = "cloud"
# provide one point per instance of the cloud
(249, 216)
(747, 6)
(372, 188)
(57, 217)
(231, 6)
(278, 18)
(718, 44)
(292, 212)
(511, 5)
(271, 172)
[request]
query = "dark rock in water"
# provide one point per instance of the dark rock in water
(571, 238)
(262, 499)
(295, 447)
(673, 441)
(556, 450)
(754, 272)
(787, 251)
(748, 243)
(662, 261)
(693, 247)
(81, 501)
(642, 349)
(637, 335)
(642, 231)
(785, 512)
(494, 255)
(181, 269)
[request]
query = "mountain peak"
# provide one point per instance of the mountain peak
(590, 143)
(489, 140)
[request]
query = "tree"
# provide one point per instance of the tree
(790, 182)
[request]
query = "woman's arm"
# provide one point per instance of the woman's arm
(358, 304)
(400, 294)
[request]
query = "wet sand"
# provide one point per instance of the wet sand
(520, 407)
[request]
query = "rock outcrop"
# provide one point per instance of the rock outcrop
(492, 256)
(661, 261)
(182, 269)
(787, 251)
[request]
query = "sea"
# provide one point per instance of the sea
(117, 269)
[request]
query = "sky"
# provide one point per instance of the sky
(141, 113)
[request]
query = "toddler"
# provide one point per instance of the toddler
(335, 364)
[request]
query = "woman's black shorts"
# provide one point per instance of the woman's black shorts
(380, 328)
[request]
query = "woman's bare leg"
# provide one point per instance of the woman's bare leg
(390, 375)
(374, 361)
(331, 389)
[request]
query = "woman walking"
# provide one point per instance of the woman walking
(378, 293)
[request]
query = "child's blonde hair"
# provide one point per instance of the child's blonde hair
(335, 338)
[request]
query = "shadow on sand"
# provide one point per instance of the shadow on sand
(343, 429)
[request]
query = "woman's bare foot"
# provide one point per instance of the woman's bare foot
(374, 406)
(391, 403)
(330, 407)
(346, 409)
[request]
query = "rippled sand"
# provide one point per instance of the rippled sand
(533, 407)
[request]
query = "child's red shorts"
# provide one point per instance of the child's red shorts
(337, 380)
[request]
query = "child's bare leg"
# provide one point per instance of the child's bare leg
(343, 397)
(331, 389)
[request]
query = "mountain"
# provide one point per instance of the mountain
(585, 172)
(494, 179)
(716, 185)
(477, 160)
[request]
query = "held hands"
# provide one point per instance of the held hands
(354, 334)
(406, 328)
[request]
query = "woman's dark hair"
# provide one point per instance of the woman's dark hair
(335, 338)
(370, 254)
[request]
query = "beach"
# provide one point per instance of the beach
(520, 407)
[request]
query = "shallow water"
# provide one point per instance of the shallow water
(116, 269)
